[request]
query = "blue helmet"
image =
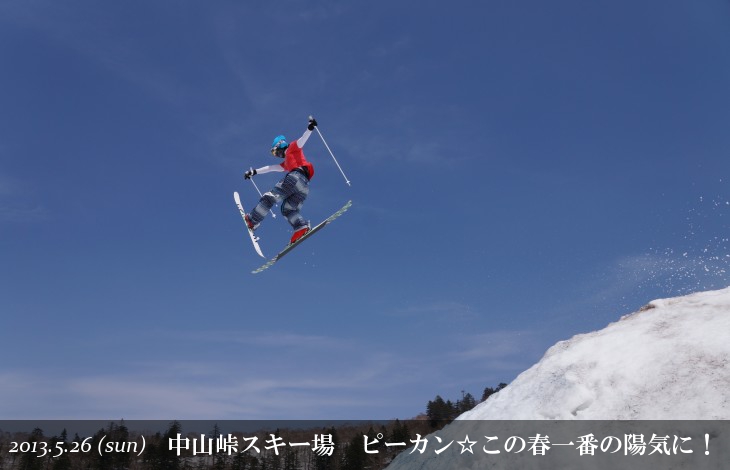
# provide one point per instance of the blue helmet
(279, 142)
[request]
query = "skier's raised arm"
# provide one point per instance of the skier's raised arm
(310, 127)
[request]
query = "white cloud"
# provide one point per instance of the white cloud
(395, 47)
(494, 346)
(261, 338)
(235, 390)
(449, 308)
(15, 205)
(264, 379)
(14, 213)
(93, 34)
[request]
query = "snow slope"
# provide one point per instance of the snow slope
(669, 361)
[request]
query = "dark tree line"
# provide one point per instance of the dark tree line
(440, 412)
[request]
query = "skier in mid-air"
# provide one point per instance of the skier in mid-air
(293, 188)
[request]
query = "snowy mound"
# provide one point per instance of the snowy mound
(671, 360)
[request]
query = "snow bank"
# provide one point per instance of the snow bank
(668, 361)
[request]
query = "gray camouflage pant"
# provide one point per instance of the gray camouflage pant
(291, 191)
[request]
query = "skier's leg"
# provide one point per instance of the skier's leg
(293, 203)
(266, 202)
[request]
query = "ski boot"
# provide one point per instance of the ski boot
(298, 234)
(249, 223)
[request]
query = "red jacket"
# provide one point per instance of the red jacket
(294, 158)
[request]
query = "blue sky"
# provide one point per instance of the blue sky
(521, 172)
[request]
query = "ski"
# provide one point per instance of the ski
(254, 238)
(314, 230)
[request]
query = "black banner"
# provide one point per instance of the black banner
(344, 445)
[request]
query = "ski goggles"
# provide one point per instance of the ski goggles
(279, 143)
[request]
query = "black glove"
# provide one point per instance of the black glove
(249, 174)
(312, 123)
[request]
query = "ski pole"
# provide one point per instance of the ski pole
(261, 195)
(333, 155)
